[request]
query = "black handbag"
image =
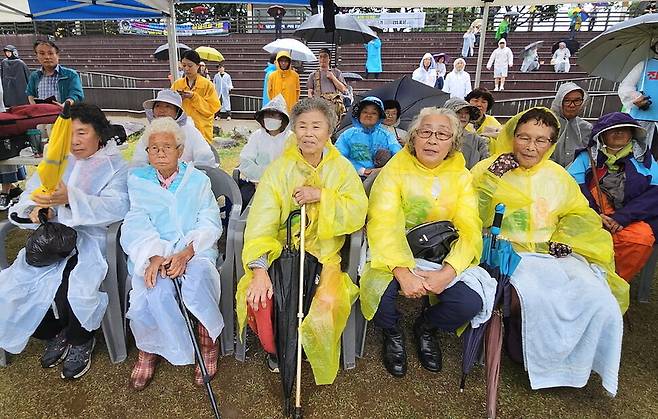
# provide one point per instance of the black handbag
(431, 241)
(50, 242)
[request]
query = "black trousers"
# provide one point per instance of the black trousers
(50, 326)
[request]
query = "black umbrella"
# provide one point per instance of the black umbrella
(412, 96)
(352, 76)
(195, 344)
(348, 31)
(276, 11)
(572, 44)
(284, 274)
(161, 53)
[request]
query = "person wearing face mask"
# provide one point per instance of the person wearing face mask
(624, 189)
(458, 81)
(284, 81)
(264, 145)
(367, 144)
(168, 104)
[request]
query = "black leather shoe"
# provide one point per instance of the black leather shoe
(429, 351)
(394, 354)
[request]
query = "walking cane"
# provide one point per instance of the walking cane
(197, 351)
(300, 314)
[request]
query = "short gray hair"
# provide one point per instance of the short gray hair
(431, 111)
(165, 125)
(310, 104)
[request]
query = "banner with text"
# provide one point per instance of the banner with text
(392, 20)
(182, 29)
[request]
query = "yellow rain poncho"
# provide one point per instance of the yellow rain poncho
(544, 204)
(284, 82)
(52, 167)
(341, 211)
(202, 106)
(406, 194)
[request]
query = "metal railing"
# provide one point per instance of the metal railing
(597, 105)
(591, 84)
(94, 79)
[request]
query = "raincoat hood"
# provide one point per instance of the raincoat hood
(619, 120)
(432, 61)
(13, 50)
(281, 54)
(167, 96)
(369, 100)
(505, 140)
(565, 89)
(278, 104)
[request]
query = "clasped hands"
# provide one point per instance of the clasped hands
(172, 266)
(417, 283)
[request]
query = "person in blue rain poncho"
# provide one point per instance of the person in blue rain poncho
(367, 144)
(91, 196)
(373, 58)
(171, 231)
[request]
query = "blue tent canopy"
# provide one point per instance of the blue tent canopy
(26, 10)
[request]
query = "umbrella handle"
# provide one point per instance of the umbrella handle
(300, 309)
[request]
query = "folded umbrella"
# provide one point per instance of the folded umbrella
(209, 54)
(161, 53)
(348, 31)
(298, 50)
(616, 51)
(52, 167)
(284, 273)
(500, 260)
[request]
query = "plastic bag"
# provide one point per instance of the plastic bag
(50, 242)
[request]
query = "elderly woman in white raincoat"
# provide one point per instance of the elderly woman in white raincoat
(530, 61)
(560, 59)
(426, 71)
(458, 81)
(425, 182)
(567, 301)
(91, 196)
(310, 172)
(171, 231)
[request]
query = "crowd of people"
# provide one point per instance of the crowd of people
(580, 203)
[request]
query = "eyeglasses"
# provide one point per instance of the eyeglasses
(439, 135)
(539, 142)
(576, 102)
(154, 149)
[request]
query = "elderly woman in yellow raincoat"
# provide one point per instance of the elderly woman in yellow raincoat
(567, 300)
(310, 172)
(425, 182)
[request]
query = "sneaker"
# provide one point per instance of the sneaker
(502, 88)
(78, 361)
(56, 350)
(272, 363)
(228, 118)
(496, 89)
(5, 201)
